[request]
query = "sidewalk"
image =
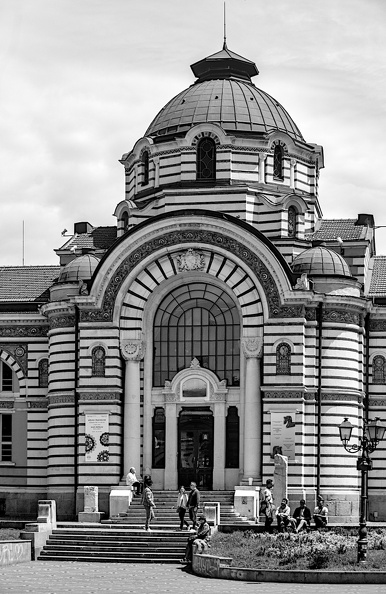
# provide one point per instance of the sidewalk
(46, 577)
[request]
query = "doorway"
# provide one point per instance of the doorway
(195, 453)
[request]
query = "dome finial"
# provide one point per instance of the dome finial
(225, 29)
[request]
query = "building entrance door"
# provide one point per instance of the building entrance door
(195, 455)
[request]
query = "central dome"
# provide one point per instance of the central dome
(224, 94)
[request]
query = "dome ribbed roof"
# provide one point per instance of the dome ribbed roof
(224, 94)
(81, 268)
(320, 261)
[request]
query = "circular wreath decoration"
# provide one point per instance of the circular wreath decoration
(90, 443)
(104, 439)
(103, 456)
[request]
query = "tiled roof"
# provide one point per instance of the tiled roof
(26, 283)
(331, 229)
(378, 277)
(100, 238)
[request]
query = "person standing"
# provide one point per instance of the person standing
(133, 482)
(266, 505)
(182, 504)
(148, 503)
(193, 503)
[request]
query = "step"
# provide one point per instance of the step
(101, 559)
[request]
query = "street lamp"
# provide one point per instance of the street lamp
(373, 433)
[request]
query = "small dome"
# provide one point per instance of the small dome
(81, 268)
(320, 261)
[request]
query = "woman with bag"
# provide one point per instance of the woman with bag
(148, 503)
(182, 503)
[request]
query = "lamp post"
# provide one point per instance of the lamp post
(373, 433)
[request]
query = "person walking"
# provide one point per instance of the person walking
(148, 503)
(193, 503)
(182, 504)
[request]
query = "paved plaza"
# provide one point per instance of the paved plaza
(94, 578)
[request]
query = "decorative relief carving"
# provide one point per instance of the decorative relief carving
(62, 321)
(310, 314)
(195, 364)
(171, 397)
(302, 283)
(342, 397)
(85, 396)
(341, 316)
(61, 399)
(133, 350)
(377, 325)
(37, 403)
(192, 235)
(190, 260)
(284, 395)
(206, 134)
(7, 404)
(23, 331)
(19, 352)
(217, 397)
(252, 347)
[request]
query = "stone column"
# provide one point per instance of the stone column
(252, 348)
(171, 441)
(132, 351)
(219, 445)
(262, 158)
(292, 173)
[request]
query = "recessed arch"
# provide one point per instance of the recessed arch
(9, 360)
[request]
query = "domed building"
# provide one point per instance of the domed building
(223, 321)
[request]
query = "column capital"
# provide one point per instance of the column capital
(252, 346)
(262, 157)
(133, 350)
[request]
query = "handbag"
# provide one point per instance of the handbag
(178, 509)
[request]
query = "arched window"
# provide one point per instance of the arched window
(283, 359)
(278, 162)
(292, 219)
(43, 373)
(379, 370)
(232, 438)
(199, 321)
(206, 159)
(8, 379)
(98, 357)
(145, 168)
(125, 220)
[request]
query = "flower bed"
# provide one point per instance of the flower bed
(332, 550)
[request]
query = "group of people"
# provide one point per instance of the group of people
(298, 521)
(186, 502)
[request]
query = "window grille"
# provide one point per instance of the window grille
(43, 373)
(292, 219)
(379, 371)
(145, 168)
(206, 159)
(283, 359)
(6, 438)
(98, 361)
(278, 162)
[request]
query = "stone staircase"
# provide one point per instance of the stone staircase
(122, 539)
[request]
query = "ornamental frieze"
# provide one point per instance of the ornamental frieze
(62, 321)
(23, 331)
(284, 395)
(37, 403)
(342, 397)
(133, 350)
(61, 399)
(377, 325)
(310, 314)
(341, 316)
(197, 236)
(7, 404)
(19, 352)
(104, 396)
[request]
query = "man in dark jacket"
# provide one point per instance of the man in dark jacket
(193, 503)
(302, 515)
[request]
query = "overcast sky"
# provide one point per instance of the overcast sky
(80, 81)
